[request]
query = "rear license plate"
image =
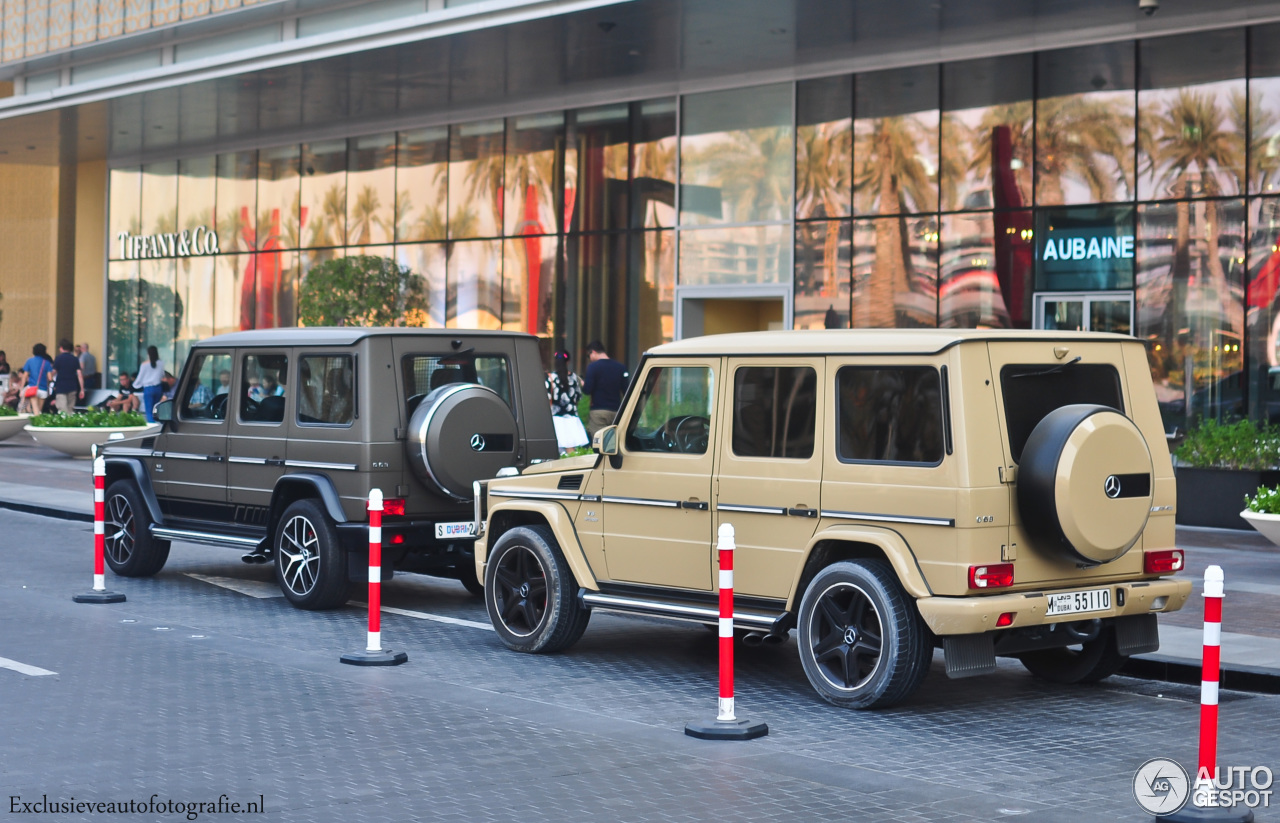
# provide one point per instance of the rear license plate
(1093, 600)
(466, 528)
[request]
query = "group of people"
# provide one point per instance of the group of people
(606, 379)
(45, 383)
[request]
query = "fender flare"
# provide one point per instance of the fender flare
(889, 542)
(317, 485)
(119, 468)
(561, 524)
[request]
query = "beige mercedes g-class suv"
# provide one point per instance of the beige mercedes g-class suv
(992, 493)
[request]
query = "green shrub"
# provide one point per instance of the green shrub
(1266, 501)
(5, 411)
(1243, 445)
(97, 419)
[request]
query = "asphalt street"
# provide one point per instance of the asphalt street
(207, 683)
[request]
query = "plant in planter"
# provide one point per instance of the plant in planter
(11, 422)
(1218, 465)
(77, 434)
(1262, 511)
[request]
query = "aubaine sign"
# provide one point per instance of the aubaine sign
(199, 240)
(1085, 248)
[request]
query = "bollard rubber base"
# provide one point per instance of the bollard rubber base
(386, 657)
(1198, 814)
(726, 729)
(94, 596)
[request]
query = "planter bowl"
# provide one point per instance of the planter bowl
(1208, 497)
(12, 424)
(1268, 525)
(79, 442)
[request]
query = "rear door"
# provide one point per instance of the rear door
(257, 439)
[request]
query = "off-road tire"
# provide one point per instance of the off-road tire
(894, 666)
(311, 566)
(130, 550)
(531, 593)
(470, 581)
(1093, 661)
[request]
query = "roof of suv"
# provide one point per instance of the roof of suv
(337, 335)
(861, 341)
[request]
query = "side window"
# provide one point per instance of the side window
(674, 411)
(326, 390)
(424, 373)
(775, 411)
(889, 414)
(207, 392)
(262, 388)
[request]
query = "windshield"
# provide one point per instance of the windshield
(1032, 391)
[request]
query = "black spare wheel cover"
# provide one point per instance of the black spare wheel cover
(1084, 483)
(460, 433)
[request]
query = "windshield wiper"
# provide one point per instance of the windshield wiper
(1048, 371)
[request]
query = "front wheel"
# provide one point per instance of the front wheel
(1088, 662)
(531, 594)
(311, 566)
(862, 642)
(469, 579)
(128, 546)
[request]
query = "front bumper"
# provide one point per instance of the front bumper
(975, 614)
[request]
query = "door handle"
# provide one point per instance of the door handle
(802, 511)
(696, 505)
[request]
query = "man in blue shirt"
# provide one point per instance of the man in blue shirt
(605, 380)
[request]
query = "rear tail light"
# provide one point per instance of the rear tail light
(1165, 561)
(397, 539)
(393, 506)
(1003, 620)
(991, 576)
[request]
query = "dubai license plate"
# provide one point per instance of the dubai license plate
(466, 528)
(1093, 600)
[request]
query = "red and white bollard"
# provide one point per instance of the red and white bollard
(1201, 805)
(374, 654)
(99, 593)
(726, 726)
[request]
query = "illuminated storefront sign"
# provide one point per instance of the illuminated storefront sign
(1085, 248)
(186, 243)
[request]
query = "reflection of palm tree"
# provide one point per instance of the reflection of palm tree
(824, 155)
(484, 185)
(1072, 133)
(655, 160)
(364, 216)
(1260, 124)
(327, 226)
(1016, 117)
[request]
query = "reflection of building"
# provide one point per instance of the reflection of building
(635, 171)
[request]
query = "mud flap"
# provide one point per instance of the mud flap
(968, 655)
(358, 568)
(1137, 634)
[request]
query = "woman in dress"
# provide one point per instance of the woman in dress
(150, 381)
(564, 390)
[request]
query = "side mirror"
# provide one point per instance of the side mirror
(606, 441)
(164, 411)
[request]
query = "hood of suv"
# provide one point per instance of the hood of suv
(581, 463)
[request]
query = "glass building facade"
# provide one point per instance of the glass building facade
(1116, 187)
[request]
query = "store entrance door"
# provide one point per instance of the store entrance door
(1085, 311)
(699, 313)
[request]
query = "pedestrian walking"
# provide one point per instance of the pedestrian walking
(606, 378)
(564, 390)
(150, 381)
(37, 387)
(89, 365)
(68, 379)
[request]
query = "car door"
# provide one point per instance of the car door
(769, 476)
(655, 511)
(256, 442)
(192, 464)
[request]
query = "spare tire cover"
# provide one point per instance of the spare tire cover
(1084, 483)
(460, 433)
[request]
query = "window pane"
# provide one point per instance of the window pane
(475, 285)
(1264, 109)
(195, 288)
(1086, 248)
(653, 273)
(596, 168)
(158, 307)
(533, 172)
(159, 197)
(268, 290)
(653, 164)
(1191, 114)
(424, 374)
(237, 200)
(278, 195)
(593, 299)
(823, 274)
(124, 346)
(206, 394)
(528, 279)
(1190, 306)
(889, 414)
(428, 260)
(675, 412)
(125, 207)
(262, 388)
(986, 133)
(1085, 124)
(371, 186)
(422, 184)
(1263, 309)
(326, 390)
(973, 270)
(233, 292)
(1031, 392)
(824, 147)
(895, 272)
(736, 156)
(324, 193)
(775, 412)
(475, 179)
(196, 184)
(747, 254)
(895, 141)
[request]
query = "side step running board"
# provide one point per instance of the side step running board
(205, 538)
(757, 621)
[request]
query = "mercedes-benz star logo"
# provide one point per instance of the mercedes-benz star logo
(1161, 786)
(477, 442)
(1111, 486)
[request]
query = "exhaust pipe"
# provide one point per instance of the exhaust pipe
(256, 557)
(775, 639)
(753, 639)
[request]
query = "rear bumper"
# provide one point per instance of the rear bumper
(972, 615)
(412, 535)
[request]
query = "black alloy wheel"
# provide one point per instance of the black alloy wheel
(119, 530)
(846, 636)
(311, 565)
(128, 547)
(522, 591)
(531, 594)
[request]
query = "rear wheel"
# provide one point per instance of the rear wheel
(470, 581)
(531, 594)
(311, 566)
(129, 548)
(1087, 662)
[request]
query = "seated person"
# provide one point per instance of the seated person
(127, 398)
(224, 382)
(17, 383)
(170, 384)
